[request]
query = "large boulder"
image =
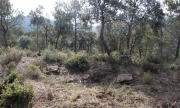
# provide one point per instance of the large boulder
(124, 78)
(53, 69)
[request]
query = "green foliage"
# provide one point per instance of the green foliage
(16, 95)
(178, 76)
(12, 55)
(151, 67)
(30, 53)
(153, 64)
(147, 78)
(54, 56)
(24, 41)
(116, 55)
(154, 59)
(125, 61)
(111, 60)
(11, 78)
(11, 66)
(33, 67)
(33, 72)
(77, 63)
(99, 57)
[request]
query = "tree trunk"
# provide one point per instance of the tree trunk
(161, 45)
(5, 40)
(177, 50)
(46, 37)
(37, 40)
(139, 51)
(4, 29)
(57, 41)
(102, 35)
(75, 48)
(128, 40)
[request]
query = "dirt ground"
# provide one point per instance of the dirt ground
(97, 88)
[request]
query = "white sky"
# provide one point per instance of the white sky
(27, 5)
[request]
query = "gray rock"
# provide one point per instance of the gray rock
(124, 78)
(52, 69)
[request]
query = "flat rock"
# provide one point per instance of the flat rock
(123, 78)
(53, 69)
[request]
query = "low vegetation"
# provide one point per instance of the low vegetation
(11, 55)
(15, 94)
(147, 78)
(113, 53)
(54, 57)
(77, 63)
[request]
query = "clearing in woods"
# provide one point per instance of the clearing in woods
(98, 88)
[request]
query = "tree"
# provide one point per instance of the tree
(47, 27)
(175, 13)
(155, 18)
(9, 18)
(37, 20)
(62, 21)
(104, 11)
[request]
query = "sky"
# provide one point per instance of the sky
(27, 5)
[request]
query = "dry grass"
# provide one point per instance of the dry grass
(12, 55)
(95, 94)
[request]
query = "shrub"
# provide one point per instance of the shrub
(11, 66)
(77, 63)
(11, 78)
(99, 57)
(24, 41)
(15, 95)
(116, 55)
(33, 72)
(147, 78)
(30, 53)
(57, 57)
(125, 61)
(151, 67)
(178, 76)
(154, 59)
(12, 55)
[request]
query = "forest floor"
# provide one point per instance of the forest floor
(97, 88)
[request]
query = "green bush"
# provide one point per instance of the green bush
(178, 76)
(24, 41)
(99, 57)
(154, 59)
(54, 57)
(147, 78)
(77, 63)
(11, 66)
(11, 78)
(16, 95)
(30, 53)
(125, 61)
(33, 72)
(12, 55)
(151, 67)
(116, 55)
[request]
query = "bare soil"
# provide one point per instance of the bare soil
(97, 88)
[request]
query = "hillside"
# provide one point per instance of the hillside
(55, 86)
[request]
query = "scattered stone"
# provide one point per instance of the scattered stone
(124, 78)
